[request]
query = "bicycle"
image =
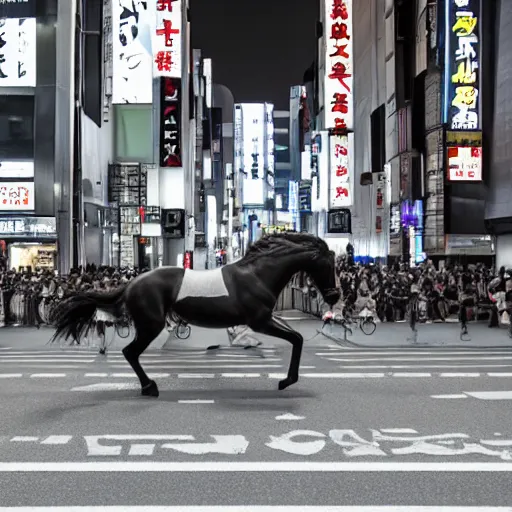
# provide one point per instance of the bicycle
(179, 327)
(123, 327)
(365, 323)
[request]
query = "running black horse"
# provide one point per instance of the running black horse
(242, 293)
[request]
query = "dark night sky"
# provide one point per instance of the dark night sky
(259, 48)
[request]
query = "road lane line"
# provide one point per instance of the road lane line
(240, 375)
(10, 375)
(411, 374)
(459, 374)
(498, 374)
(255, 467)
(196, 375)
(254, 508)
(490, 395)
(24, 439)
(53, 440)
(196, 401)
(47, 375)
(461, 395)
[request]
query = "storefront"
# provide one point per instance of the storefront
(28, 243)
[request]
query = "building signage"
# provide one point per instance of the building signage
(16, 169)
(167, 35)
(253, 140)
(132, 28)
(340, 172)
(394, 220)
(463, 65)
(269, 131)
(17, 8)
(305, 196)
(170, 126)
(464, 163)
(17, 196)
(338, 87)
(18, 52)
(339, 221)
(28, 227)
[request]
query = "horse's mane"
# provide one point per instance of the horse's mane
(275, 244)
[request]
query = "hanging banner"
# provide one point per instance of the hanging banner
(338, 81)
(341, 174)
(167, 42)
(170, 126)
(18, 52)
(463, 65)
(132, 66)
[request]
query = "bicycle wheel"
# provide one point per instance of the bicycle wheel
(123, 330)
(368, 326)
(183, 331)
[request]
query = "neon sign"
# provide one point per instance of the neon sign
(462, 65)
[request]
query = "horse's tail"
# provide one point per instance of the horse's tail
(73, 316)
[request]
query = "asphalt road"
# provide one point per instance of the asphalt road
(388, 427)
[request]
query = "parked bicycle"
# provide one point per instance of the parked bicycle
(178, 326)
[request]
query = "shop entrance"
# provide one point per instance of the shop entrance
(23, 256)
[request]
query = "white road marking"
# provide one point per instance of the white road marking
(5, 348)
(24, 439)
(343, 375)
(203, 367)
(417, 352)
(459, 375)
(240, 375)
(461, 395)
(490, 395)
(48, 360)
(412, 366)
(196, 375)
(398, 431)
(195, 361)
(133, 375)
(411, 375)
(289, 417)
(141, 449)
(277, 375)
(10, 375)
(418, 357)
(108, 386)
(98, 375)
(196, 401)
(57, 440)
(255, 467)
(47, 375)
(498, 374)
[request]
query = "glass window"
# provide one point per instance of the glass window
(134, 133)
(16, 127)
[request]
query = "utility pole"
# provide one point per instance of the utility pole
(230, 187)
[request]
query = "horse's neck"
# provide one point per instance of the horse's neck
(276, 272)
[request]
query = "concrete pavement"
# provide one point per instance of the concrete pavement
(403, 426)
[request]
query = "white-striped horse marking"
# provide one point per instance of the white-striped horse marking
(203, 283)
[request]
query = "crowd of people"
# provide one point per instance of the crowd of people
(385, 291)
(453, 290)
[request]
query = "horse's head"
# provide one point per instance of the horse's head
(322, 269)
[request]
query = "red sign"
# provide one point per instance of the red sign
(167, 43)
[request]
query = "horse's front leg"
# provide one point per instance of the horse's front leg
(273, 327)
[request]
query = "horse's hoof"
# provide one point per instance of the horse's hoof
(286, 383)
(151, 389)
(103, 351)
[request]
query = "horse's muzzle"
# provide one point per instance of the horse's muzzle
(331, 296)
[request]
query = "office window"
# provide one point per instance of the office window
(16, 127)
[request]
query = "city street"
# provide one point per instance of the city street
(398, 426)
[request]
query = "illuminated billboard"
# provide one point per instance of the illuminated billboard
(340, 171)
(253, 153)
(18, 52)
(464, 163)
(269, 151)
(462, 87)
(17, 196)
(167, 39)
(132, 61)
(338, 82)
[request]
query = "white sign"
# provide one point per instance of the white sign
(269, 132)
(207, 73)
(17, 196)
(339, 67)
(18, 52)
(293, 203)
(464, 163)
(132, 26)
(12, 169)
(340, 169)
(253, 162)
(167, 39)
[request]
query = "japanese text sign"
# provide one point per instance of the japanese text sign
(17, 196)
(339, 101)
(132, 60)
(463, 65)
(340, 168)
(18, 52)
(464, 163)
(170, 128)
(167, 42)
